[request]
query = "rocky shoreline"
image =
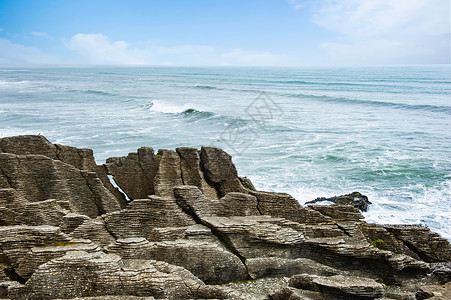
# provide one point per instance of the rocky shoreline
(192, 229)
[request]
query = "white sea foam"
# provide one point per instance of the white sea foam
(14, 70)
(5, 132)
(430, 207)
(13, 83)
(165, 108)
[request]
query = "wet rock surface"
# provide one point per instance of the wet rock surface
(193, 229)
(354, 199)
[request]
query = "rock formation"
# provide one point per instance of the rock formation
(192, 227)
(354, 199)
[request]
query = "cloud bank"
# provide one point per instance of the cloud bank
(11, 53)
(385, 31)
(96, 48)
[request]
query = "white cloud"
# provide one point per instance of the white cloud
(295, 4)
(98, 49)
(387, 51)
(42, 34)
(386, 31)
(11, 53)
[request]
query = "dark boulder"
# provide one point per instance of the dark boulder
(355, 199)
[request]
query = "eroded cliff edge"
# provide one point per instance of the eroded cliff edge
(191, 226)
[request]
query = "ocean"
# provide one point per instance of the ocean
(311, 132)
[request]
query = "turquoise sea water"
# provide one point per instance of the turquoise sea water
(383, 131)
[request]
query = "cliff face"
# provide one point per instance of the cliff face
(191, 227)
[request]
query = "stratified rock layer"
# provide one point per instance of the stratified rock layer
(191, 225)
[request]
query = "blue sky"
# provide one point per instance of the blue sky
(225, 32)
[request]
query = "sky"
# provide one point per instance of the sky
(225, 32)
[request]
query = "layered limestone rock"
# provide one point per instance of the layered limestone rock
(143, 216)
(197, 205)
(339, 286)
(429, 246)
(209, 261)
(35, 170)
(191, 225)
(192, 172)
(285, 206)
(143, 173)
(37, 256)
(94, 230)
(220, 171)
(82, 159)
(81, 274)
(135, 173)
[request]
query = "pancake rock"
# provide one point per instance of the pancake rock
(190, 226)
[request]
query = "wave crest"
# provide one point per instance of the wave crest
(186, 110)
(192, 112)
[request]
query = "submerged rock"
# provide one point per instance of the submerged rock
(354, 199)
(192, 224)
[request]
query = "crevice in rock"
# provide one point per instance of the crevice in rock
(117, 187)
(96, 198)
(226, 243)
(410, 247)
(108, 230)
(180, 167)
(7, 178)
(216, 186)
(149, 179)
(221, 238)
(258, 204)
(344, 230)
(11, 273)
(117, 191)
(189, 212)
(57, 152)
(190, 290)
(414, 249)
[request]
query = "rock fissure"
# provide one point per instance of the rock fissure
(344, 230)
(221, 238)
(203, 170)
(57, 152)
(258, 206)
(189, 289)
(143, 170)
(229, 246)
(408, 246)
(6, 177)
(12, 274)
(111, 232)
(181, 169)
(100, 210)
(190, 213)
(127, 198)
(415, 250)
